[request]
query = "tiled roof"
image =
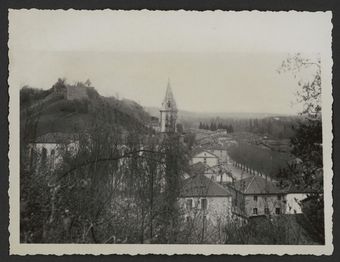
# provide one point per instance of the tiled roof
(294, 189)
(200, 150)
(256, 185)
(201, 186)
(56, 138)
(198, 168)
(215, 147)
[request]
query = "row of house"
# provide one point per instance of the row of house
(213, 190)
(209, 187)
(253, 196)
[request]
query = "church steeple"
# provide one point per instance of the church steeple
(169, 102)
(168, 111)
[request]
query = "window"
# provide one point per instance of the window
(255, 198)
(204, 203)
(255, 211)
(266, 210)
(205, 160)
(52, 158)
(43, 154)
(243, 185)
(235, 201)
(279, 197)
(277, 211)
(189, 204)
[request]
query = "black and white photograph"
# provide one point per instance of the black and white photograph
(170, 132)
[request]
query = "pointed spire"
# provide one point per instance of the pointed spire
(169, 102)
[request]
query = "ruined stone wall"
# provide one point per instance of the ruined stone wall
(75, 92)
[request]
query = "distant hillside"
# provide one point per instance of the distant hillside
(74, 108)
(203, 116)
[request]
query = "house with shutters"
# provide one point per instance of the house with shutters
(260, 196)
(201, 197)
(206, 208)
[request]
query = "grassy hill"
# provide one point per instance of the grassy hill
(55, 113)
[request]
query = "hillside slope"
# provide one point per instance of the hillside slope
(55, 112)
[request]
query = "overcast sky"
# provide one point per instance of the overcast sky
(216, 61)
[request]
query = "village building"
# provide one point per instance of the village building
(220, 151)
(208, 207)
(200, 196)
(294, 202)
(154, 123)
(294, 198)
(217, 173)
(260, 196)
(47, 150)
(204, 156)
(168, 112)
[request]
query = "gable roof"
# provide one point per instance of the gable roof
(215, 147)
(197, 151)
(56, 138)
(198, 168)
(256, 185)
(201, 186)
(296, 189)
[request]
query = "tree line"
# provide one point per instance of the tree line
(278, 127)
(213, 126)
(255, 159)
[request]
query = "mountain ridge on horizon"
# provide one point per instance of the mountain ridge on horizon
(154, 111)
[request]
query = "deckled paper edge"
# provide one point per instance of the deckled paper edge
(16, 248)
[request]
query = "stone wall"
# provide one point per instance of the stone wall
(75, 92)
(264, 201)
(206, 226)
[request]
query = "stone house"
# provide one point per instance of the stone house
(207, 208)
(47, 149)
(201, 196)
(261, 196)
(206, 157)
(220, 151)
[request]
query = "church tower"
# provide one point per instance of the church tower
(168, 112)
